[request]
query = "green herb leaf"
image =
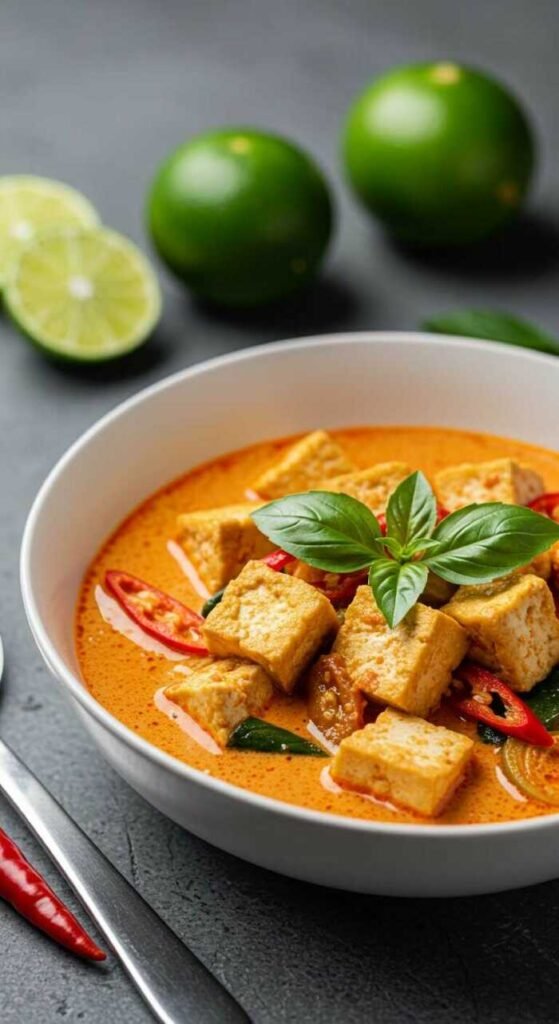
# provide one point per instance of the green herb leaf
(489, 735)
(396, 587)
(256, 734)
(212, 603)
(493, 325)
(328, 531)
(421, 546)
(544, 702)
(544, 699)
(480, 543)
(393, 546)
(412, 510)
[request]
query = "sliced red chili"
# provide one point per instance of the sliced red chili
(278, 560)
(340, 589)
(158, 614)
(28, 893)
(546, 504)
(517, 719)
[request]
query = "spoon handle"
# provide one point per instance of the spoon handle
(174, 983)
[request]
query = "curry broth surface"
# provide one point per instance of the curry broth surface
(124, 678)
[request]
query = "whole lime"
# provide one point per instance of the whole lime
(241, 216)
(440, 153)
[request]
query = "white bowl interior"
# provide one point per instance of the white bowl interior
(231, 402)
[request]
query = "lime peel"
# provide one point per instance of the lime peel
(83, 295)
(29, 205)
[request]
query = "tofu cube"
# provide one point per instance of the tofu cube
(372, 486)
(512, 627)
(541, 565)
(405, 760)
(271, 618)
(220, 541)
(221, 694)
(500, 480)
(408, 667)
(304, 466)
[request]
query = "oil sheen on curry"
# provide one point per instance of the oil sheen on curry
(362, 622)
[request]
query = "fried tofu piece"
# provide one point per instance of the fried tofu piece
(405, 760)
(512, 627)
(372, 486)
(541, 565)
(304, 466)
(408, 667)
(274, 619)
(499, 480)
(220, 541)
(221, 694)
(554, 561)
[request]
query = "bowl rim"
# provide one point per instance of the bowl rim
(152, 753)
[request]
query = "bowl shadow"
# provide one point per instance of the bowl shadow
(328, 304)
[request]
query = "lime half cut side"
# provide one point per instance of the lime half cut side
(83, 295)
(29, 205)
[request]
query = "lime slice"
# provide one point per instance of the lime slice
(29, 205)
(83, 295)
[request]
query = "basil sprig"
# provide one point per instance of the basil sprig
(337, 533)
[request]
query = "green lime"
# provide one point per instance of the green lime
(84, 295)
(29, 205)
(241, 216)
(440, 153)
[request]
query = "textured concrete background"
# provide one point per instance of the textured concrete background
(95, 93)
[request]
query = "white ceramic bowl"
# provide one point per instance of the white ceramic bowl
(224, 404)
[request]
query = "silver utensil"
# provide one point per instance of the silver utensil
(174, 983)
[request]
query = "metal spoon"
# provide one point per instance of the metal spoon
(174, 983)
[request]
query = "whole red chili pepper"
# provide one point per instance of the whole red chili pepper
(517, 719)
(157, 613)
(545, 504)
(29, 894)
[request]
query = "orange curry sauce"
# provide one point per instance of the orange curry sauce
(124, 677)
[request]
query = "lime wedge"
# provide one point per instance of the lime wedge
(29, 205)
(83, 295)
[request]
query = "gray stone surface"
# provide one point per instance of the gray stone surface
(95, 93)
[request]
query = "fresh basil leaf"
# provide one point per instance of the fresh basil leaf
(328, 531)
(480, 543)
(411, 511)
(394, 546)
(421, 546)
(493, 325)
(256, 734)
(396, 587)
(490, 736)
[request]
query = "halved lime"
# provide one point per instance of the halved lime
(29, 205)
(83, 295)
